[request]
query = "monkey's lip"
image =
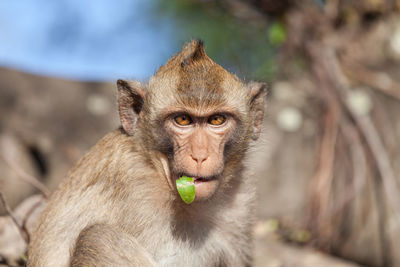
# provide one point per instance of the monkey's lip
(200, 179)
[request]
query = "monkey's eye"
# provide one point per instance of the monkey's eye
(183, 120)
(216, 120)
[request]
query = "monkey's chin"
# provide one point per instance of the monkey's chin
(205, 188)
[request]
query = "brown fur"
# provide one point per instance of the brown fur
(119, 206)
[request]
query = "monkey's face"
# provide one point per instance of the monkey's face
(199, 141)
(197, 114)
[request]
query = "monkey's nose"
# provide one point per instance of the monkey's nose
(199, 147)
(199, 157)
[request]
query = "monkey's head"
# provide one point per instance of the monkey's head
(197, 115)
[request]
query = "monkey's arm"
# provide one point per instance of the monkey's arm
(103, 245)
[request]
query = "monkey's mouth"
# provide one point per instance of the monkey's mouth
(199, 179)
(205, 186)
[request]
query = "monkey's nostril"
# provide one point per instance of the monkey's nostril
(199, 159)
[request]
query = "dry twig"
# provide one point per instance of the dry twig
(24, 234)
(28, 215)
(376, 80)
(321, 187)
(26, 177)
(371, 135)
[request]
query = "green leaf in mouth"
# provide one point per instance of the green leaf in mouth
(186, 189)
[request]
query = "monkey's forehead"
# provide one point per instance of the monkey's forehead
(203, 77)
(203, 95)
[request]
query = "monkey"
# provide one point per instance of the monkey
(119, 206)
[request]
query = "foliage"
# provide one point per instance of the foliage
(277, 33)
(240, 47)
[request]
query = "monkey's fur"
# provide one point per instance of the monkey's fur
(119, 205)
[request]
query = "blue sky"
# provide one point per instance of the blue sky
(84, 40)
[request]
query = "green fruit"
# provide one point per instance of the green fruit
(186, 189)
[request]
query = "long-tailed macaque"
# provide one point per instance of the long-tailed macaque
(120, 205)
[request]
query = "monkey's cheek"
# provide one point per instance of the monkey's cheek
(205, 190)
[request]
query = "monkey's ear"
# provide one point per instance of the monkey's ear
(130, 103)
(258, 92)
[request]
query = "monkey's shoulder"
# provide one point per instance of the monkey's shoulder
(112, 150)
(110, 162)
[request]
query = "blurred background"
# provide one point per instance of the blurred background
(328, 162)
